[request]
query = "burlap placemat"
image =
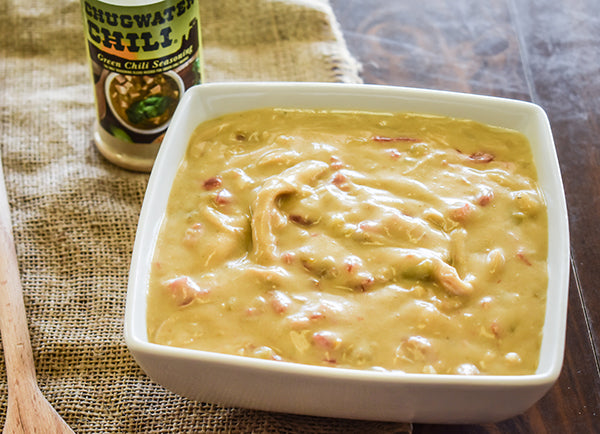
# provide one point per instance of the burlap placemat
(74, 214)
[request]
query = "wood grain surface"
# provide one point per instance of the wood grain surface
(544, 51)
(28, 410)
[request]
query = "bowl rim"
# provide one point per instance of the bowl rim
(304, 91)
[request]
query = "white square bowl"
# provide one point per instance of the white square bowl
(334, 392)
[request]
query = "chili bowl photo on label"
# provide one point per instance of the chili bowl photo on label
(144, 104)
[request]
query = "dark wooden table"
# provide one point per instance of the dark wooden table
(544, 51)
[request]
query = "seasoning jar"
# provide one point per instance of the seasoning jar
(143, 54)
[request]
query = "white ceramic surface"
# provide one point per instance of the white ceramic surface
(295, 388)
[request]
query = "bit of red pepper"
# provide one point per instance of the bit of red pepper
(522, 257)
(481, 157)
(301, 220)
(212, 183)
(395, 139)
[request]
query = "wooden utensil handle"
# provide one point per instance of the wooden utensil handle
(13, 321)
(28, 410)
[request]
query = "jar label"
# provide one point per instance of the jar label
(143, 58)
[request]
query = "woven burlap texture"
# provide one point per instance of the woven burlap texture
(75, 215)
